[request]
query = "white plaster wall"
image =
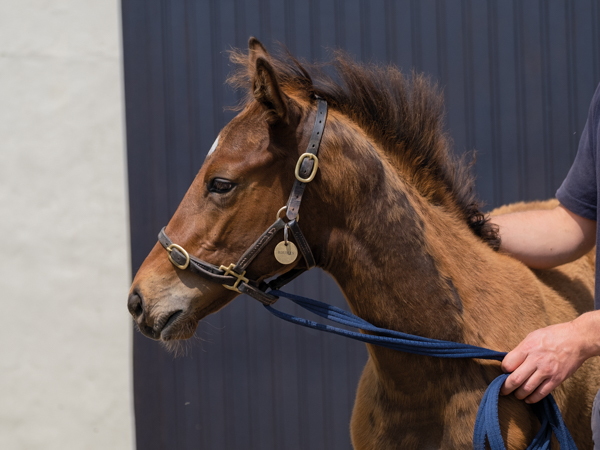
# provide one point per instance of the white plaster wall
(64, 258)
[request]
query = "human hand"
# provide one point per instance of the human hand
(543, 360)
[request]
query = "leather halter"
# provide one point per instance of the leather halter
(233, 276)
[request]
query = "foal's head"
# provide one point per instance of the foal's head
(244, 181)
(383, 130)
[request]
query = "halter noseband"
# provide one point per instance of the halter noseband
(232, 277)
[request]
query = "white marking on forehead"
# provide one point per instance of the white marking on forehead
(213, 148)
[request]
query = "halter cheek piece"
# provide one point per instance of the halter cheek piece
(233, 276)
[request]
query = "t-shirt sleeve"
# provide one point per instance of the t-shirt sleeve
(578, 193)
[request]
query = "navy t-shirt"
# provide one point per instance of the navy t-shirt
(580, 192)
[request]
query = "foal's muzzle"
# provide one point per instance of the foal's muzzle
(135, 304)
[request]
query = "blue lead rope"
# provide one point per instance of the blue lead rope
(487, 424)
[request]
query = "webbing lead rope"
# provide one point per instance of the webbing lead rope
(487, 424)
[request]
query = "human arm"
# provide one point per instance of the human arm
(546, 238)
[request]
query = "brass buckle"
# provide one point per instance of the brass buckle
(182, 250)
(303, 156)
(240, 278)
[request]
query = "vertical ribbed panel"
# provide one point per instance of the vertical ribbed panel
(517, 78)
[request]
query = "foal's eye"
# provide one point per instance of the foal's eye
(220, 186)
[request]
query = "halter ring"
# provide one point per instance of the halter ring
(284, 209)
(183, 252)
(303, 156)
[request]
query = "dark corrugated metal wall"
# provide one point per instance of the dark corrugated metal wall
(518, 77)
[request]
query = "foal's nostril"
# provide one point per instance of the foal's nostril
(134, 304)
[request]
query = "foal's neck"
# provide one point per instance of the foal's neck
(392, 269)
(399, 260)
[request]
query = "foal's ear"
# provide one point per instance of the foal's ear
(256, 49)
(265, 87)
(267, 91)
